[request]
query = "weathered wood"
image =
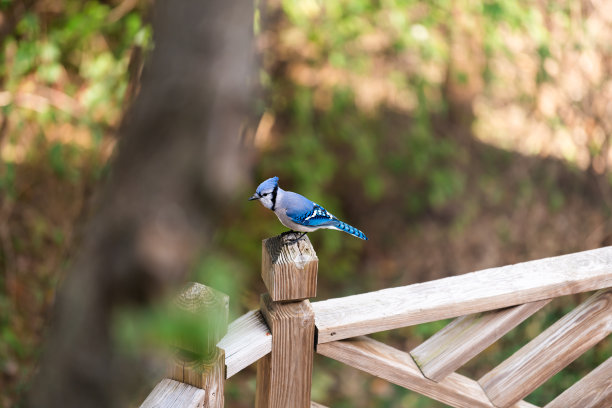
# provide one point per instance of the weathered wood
(551, 351)
(263, 382)
(247, 340)
(466, 336)
(173, 394)
(284, 376)
(315, 405)
(211, 309)
(592, 391)
(455, 296)
(289, 269)
(208, 374)
(201, 363)
(398, 367)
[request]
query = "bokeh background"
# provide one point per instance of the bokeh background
(458, 135)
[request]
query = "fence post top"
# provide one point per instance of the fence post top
(198, 298)
(289, 267)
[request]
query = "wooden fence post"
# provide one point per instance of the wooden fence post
(289, 270)
(202, 364)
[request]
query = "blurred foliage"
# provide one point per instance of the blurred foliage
(64, 76)
(372, 108)
(377, 110)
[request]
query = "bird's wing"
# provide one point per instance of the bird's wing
(317, 216)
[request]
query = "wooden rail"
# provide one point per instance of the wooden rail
(466, 337)
(398, 367)
(592, 391)
(455, 296)
(487, 304)
(551, 351)
(174, 394)
(248, 339)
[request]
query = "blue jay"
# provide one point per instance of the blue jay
(298, 213)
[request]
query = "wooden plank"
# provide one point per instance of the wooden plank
(247, 340)
(592, 391)
(315, 405)
(466, 336)
(284, 376)
(289, 268)
(455, 296)
(549, 352)
(398, 367)
(263, 382)
(173, 394)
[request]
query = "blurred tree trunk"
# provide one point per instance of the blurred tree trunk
(177, 163)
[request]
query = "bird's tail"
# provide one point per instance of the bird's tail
(342, 226)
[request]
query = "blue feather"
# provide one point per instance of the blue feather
(351, 230)
(320, 217)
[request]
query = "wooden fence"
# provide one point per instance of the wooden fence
(287, 330)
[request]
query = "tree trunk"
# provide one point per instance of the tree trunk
(177, 163)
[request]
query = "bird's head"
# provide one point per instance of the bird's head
(266, 193)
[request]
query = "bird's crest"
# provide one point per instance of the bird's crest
(269, 184)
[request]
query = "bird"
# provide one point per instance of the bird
(298, 213)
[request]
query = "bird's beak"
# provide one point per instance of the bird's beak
(254, 197)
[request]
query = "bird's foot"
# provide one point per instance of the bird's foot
(289, 237)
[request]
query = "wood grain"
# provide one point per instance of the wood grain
(398, 367)
(592, 391)
(208, 374)
(289, 269)
(247, 340)
(201, 363)
(211, 308)
(551, 351)
(263, 382)
(173, 394)
(466, 336)
(284, 376)
(455, 296)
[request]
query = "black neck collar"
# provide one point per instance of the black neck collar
(274, 192)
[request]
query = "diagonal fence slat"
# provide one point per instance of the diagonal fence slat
(247, 340)
(460, 295)
(592, 391)
(551, 351)
(398, 367)
(465, 337)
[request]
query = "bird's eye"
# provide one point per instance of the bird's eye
(265, 194)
